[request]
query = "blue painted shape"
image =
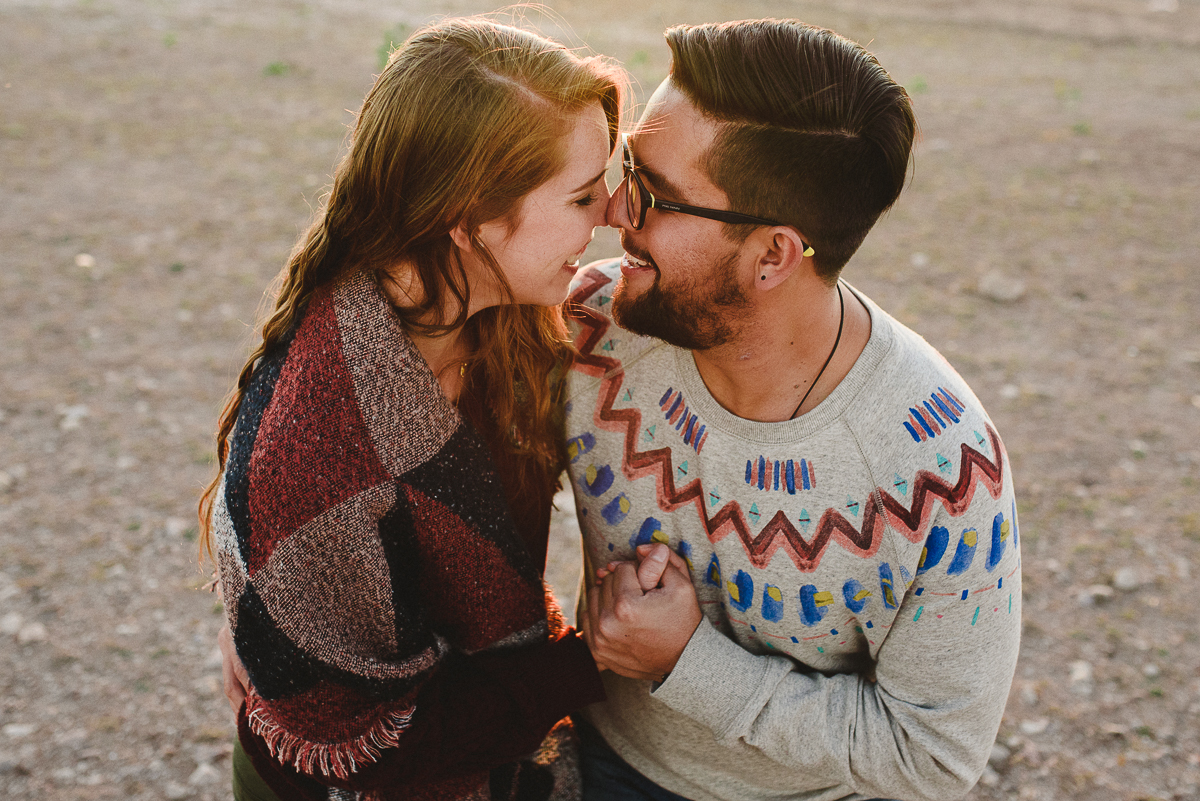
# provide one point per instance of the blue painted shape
(666, 395)
(749, 468)
(905, 576)
(812, 608)
(713, 574)
(775, 486)
(578, 446)
(685, 551)
(616, 509)
(855, 596)
(645, 533)
(912, 431)
(920, 418)
(675, 405)
(762, 470)
(936, 416)
(805, 476)
(999, 541)
(741, 591)
(950, 398)
(791, 477)
(804, 520)
(772, 603)
(683, 417)
(687, 432)
(887, 586)
(599, 483)
(935, 548)
(945, 409)
(965, 553)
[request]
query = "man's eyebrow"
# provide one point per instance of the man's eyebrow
(661, 182)
(589, 182)
(656, 178)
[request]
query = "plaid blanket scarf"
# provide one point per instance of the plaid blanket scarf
(395, 627)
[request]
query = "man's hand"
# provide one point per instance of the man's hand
(233, 673)
(640, 618)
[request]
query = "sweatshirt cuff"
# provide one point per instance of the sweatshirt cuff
(718, 683)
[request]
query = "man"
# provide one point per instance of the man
(841, 615)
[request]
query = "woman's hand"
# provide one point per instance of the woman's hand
(233, 672)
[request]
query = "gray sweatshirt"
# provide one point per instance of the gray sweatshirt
(858, 568)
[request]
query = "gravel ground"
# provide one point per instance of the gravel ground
(158, 159)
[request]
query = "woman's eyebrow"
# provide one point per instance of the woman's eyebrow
(589, 182)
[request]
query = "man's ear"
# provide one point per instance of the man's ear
(783, 251)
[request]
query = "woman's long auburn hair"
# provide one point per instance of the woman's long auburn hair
(467, 118)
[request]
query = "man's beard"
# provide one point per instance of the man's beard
(697, 316)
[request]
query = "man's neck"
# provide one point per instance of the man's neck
(769, 367)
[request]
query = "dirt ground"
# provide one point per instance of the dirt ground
(158, 159)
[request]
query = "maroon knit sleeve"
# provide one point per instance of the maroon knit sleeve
(475, 713)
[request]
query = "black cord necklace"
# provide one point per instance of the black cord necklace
(836, 342)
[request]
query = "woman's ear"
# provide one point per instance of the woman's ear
(461, 238)
(784, 250)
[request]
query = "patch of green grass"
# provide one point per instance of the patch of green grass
(1157, 692)
(917, 86)
(159, 653)
(392, 38)
(176, 267)
(1189, 525)
(142, 685)
(276, 68)
(169, 39)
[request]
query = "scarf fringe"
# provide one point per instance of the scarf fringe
(329, 759)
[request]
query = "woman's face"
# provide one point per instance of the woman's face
(556, 221)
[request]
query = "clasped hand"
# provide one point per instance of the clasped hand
(640, 615)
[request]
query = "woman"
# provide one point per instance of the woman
(389, 454)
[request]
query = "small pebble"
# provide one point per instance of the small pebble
(1001, 288)
(204, 774)
(19, 730)
(1126, 579)
(919, 260)
(175, 791)
(31, 633)
(1151, 671)
(10, 624)
(1095, 594)
(85, 261)
(1035, 726)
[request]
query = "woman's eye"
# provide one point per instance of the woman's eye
(588, 200)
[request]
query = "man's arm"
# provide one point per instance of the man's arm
(923, 729)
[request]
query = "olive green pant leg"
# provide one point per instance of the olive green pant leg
(247, 784)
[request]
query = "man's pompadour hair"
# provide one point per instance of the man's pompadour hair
(814, 134)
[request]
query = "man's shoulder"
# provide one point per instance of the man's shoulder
(593, 285)
(914, 395)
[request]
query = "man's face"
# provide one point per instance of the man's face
(682, 280)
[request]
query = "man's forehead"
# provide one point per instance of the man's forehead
(672, 135)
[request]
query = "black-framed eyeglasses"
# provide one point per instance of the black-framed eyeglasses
(638, 199)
